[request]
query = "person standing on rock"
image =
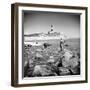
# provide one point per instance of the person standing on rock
(62, 44)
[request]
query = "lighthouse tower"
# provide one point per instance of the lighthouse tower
(51, 27)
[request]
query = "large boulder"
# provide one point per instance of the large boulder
(43, 70)
(67, 56)
(74, 62)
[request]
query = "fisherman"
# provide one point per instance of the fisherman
(62, 44)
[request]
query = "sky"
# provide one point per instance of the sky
(38, 22)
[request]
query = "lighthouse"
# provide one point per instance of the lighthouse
(51, 29)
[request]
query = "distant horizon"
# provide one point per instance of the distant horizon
(45, 33)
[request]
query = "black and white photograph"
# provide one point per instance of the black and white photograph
(51, 44)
